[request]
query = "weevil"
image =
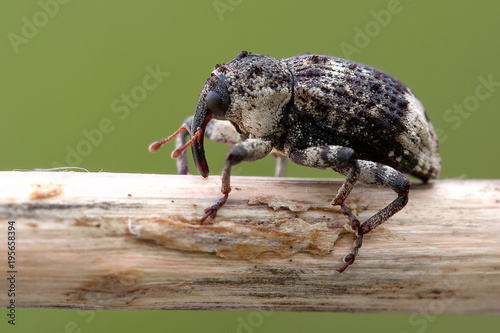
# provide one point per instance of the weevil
(320, 112)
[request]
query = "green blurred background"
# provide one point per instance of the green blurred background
(75, 91)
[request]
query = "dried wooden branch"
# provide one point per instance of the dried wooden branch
(131, 241)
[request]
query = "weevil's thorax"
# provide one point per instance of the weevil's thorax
(260, 88)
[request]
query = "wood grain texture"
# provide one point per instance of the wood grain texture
(132, 241)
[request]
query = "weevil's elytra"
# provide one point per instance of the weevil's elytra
(320, 112)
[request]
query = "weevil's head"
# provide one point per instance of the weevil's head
(213, 103)
(252, 92)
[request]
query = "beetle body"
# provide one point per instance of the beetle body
(321, 112)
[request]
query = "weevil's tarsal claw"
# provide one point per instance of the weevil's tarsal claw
(209, 212)
(212, 210)
(349, 259)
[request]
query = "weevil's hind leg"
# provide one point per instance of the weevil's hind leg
(248, 150)
(220, 131)
(343, 160)
(376, 174)
(383, 175)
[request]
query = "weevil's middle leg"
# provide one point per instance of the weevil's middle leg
(349, 259)
(344, 161)
(376, 174)
(280, 168)
(352, 177)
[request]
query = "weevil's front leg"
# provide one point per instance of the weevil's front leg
(248, 150)
(220, 131)
(343, 160)
(180, 141)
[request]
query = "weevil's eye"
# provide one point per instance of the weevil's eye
(216, 105)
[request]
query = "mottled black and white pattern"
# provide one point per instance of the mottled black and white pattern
(339, 102)
(312, 100)
(320, 112)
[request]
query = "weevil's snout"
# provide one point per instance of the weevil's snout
(213, 103)
(200, 121)
(196, 142)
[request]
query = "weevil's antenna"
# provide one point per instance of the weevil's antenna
(156, 145)
(176, 153)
